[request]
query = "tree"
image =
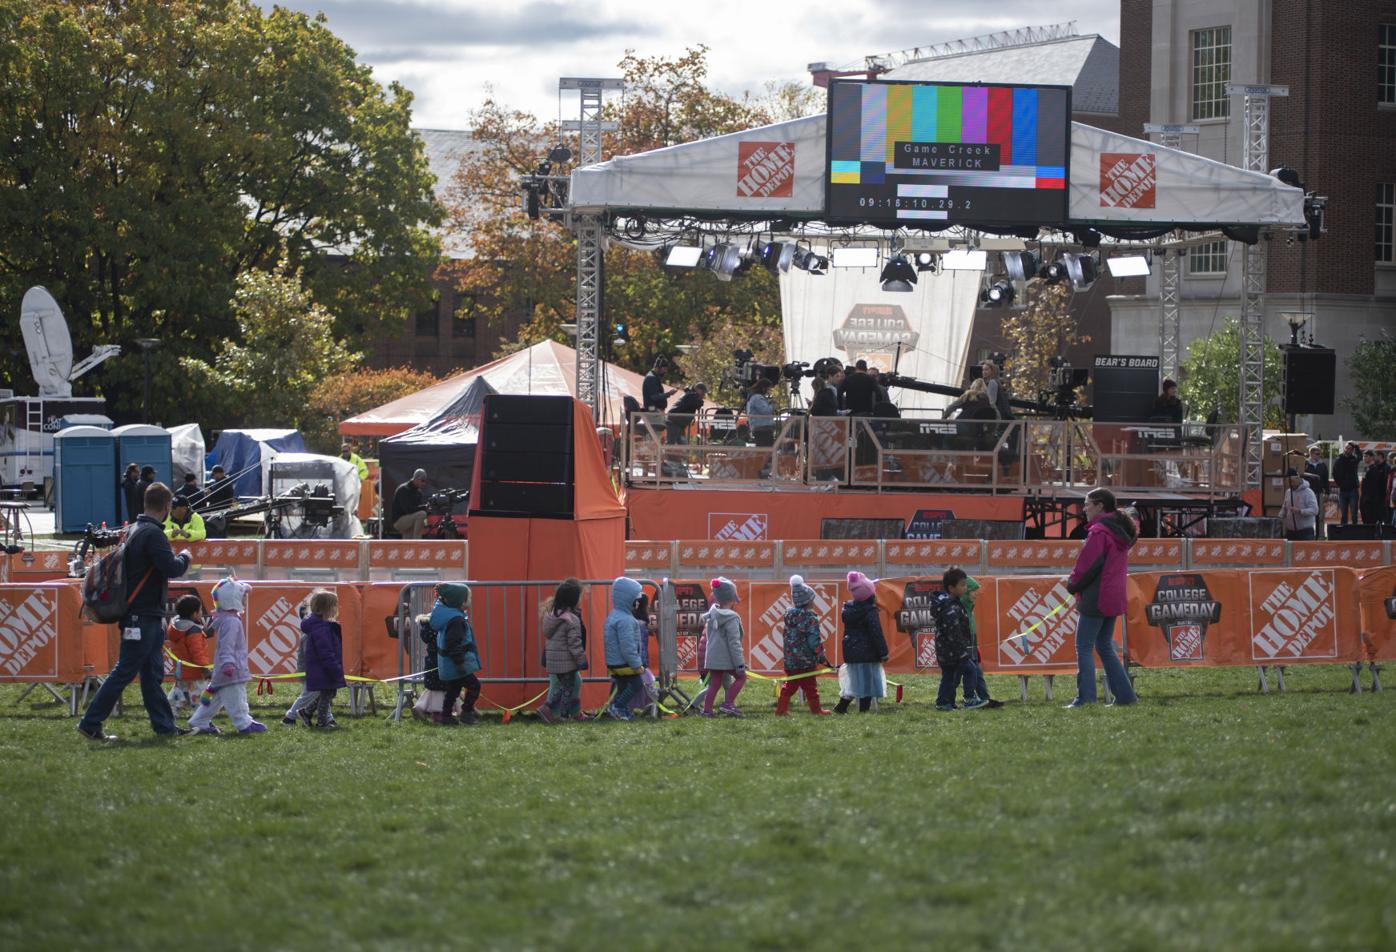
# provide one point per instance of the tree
(1211, 377)
(1037, 332)
(351, 392)
(1374, 404)
(285, 347)
(151, 151)
(712, 362)
(529, 267)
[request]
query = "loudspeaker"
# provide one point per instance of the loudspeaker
(1340, 533)
(501, 437)
(527, 467)
(526, 464)
(1310, 377)
(551, 500)
(523, 408)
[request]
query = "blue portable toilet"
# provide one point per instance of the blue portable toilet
(84, 472)
(145, 445)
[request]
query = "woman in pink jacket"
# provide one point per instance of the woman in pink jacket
(1098, 582)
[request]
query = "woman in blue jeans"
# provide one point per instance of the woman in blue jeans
(1098, 582)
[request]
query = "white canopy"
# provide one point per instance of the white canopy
(779, 171)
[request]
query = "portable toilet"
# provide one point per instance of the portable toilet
(145, 445)
(84, 475)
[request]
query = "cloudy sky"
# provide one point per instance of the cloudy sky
(450, 52)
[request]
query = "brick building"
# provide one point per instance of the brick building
(1337, 128)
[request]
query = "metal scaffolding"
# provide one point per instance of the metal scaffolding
(591, 279)
(1170, 321)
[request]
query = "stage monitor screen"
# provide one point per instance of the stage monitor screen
(906, 154)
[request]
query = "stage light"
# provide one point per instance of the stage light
(1128, 266)
(998, 294)
(777, 256)
(855, 257)
(898, 275)
(683, 256)
(964, 260)
(1081, 269)
(621, 336)
(1020, 265)
(1054, 273)
(925, 262)
(722, 260)
(807, 260)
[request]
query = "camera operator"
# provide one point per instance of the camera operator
(761, 413)
(858, 392)
(656, 398)
(409, 513)
(683, 413)
(828, 375)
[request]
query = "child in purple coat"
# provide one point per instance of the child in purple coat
(324, 655)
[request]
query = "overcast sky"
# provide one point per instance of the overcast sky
(448, 52)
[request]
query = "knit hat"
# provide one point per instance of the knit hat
(229, 594)
(971, 584)
(724, 590)
(800, 593)
(861, 586)
(452, 594)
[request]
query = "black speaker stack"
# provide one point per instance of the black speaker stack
(1310, 379)
(526, 464)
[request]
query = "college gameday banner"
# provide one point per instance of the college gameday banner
(1258, 617)
(1378, 593)
(40, 633)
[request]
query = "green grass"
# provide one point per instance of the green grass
(1207, 817)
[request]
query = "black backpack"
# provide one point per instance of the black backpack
(104, 596)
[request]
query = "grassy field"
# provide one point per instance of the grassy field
(1206, 817)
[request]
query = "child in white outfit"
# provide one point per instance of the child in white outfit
(228, 687)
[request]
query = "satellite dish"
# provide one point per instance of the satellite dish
(48, 342)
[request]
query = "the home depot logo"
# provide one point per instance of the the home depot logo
(28, 626)
(737, 526)
(1294, 615)
(768, 648)
(1038, 633)
(917, 617)
(765, 169)
(275, 639)
(1127, 180)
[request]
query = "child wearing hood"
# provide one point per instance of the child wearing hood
(188, 642)
(324, 657)
(564, 653)
(724, 655)
(457, 656)
(228, 686)
(622, 637)
(979, 688)
(864, 648)
(804, 649)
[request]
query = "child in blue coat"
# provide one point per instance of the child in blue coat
(458, 658)
(622, 636)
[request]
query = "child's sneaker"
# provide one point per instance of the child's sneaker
(731, 710)
(210, 729)
(618, 714)
(306, 717)
(327, 726)
(546, 715)
(946, 707)
(256, 727)
(468, 717)
(974, 703)
(289, 721)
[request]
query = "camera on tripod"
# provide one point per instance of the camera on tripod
(1065, 380)
(445, 500)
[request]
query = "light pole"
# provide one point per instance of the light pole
(147, 344)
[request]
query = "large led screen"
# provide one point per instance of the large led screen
(928, 153)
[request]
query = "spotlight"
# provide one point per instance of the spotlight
(807, 260)
(722, 260)
(998, 294)
(898, 275)
(1054, 273)
(683, 256)
(925, 262)
(1081, 269)
(560, 155)
(621, 337)
(777, 256)
(1128, 266)
(1020, 265)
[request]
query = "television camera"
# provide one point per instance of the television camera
(441, 514)
(1064, 381)
(299, 513)
(745, 371)
(95, 537)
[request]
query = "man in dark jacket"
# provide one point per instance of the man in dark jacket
(655, 397)
(149, 565)
(1372, 501)
(219, 493)
(189, 490)
(131, 492)
(1316, 474)
(1345, 478)
(858, 392)
(681, 416)
(409, 512)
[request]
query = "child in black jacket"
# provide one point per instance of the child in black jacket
(955, 643)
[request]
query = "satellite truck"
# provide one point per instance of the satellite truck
(27, 424)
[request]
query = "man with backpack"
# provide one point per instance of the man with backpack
(148, 565)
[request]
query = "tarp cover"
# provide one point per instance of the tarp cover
(284, 471)
(444, 446)
(545, 369)
(1114, 179)
(237, 450)
(187, 452)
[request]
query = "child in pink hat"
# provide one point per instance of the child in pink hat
(864, 648)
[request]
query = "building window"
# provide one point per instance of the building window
(463, 320)
(426, 322)
(1208, 259)
(1386, 222)
(1386, 64)
(1211, 71)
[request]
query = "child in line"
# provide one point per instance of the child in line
(724, 655)
(324, 657)
(228, 686)
(647, 693)
(187, 640)
(979, 688)
(428, 706)
(864, 648)
(804, 649)
(458, 657)
(303, 707)
(622, 637)
(564, 653)
(954, 643)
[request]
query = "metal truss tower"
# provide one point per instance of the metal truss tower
(1170, 332)
(591, 277)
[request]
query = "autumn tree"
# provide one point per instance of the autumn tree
(153, 152)
(351, 392)
(528, 267)
(1042, 329)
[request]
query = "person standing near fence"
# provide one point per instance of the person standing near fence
(864, 647)
(804, 649)
(457, 656)
(149, 565)
(1098, 582)
(725, 655)
(324, 657)
(564, 653)
(228, 686)
(622, 639)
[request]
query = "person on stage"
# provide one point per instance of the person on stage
(1299, 511)
(1168, 408)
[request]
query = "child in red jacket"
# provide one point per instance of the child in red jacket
(187, 640)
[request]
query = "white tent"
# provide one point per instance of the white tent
(187, 451)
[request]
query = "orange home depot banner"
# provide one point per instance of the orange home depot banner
(311, 553)
(274, 625)
(40, 633)
(765, 606)
(1038, 554)
(692, 598)
(378, 653)
(648, 557)
(1354, 555)
(1227, 552)
(1304, 615)
(1033, 629)
(1157, 553)
(934, 556)
(1378, 588)
(417, 554)
(45, 566)
(827, 557)
(244, 554)
(702, 555)
(1176, 618)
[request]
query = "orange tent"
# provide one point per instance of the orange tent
(545, 369)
